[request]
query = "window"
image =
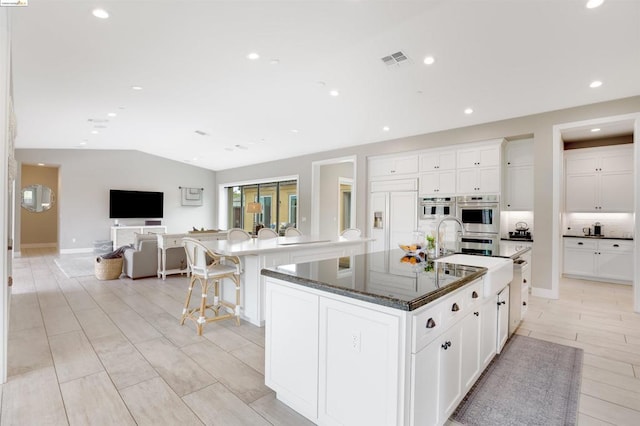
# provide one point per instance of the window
(278, 202)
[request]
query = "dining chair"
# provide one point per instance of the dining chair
(292, 232)
(238, 234)
(351, 233)
(267, 234)
(208, 268)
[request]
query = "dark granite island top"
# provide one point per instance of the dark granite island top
(381, 278)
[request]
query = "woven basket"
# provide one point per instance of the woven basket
(108, 269)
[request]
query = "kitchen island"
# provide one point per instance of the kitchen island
(385, 342)
(256, 254)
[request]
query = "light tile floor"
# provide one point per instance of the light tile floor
(83, 351)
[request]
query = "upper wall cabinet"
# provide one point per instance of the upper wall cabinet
(438, 160)
(480, 156)
(518, 172)
(599, 179)
(478, 168)
(392, 166)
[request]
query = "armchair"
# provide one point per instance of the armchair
(141, 260)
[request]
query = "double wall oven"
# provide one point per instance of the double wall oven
(480, 217)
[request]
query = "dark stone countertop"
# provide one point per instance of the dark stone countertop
(399, 285)
(597, 237)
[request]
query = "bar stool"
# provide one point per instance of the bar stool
(210, 268)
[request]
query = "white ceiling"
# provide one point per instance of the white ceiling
(502, 58)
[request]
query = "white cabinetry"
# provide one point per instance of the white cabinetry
(438, 160)
(478, 169)
(384, 167)
(599, 179)
(601, 260)
(124, 235)
(438, 183)
(518, 182)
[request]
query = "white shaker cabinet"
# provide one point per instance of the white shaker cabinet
(480, 156)
(600, 260)
(484, 180)
(385, 167)
(438, 183)
(438, 160)
(599, 179)
(518, 182)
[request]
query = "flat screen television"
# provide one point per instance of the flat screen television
(135, 204)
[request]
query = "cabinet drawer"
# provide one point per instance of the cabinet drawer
(427, 326)
(622, 246)
(584, 243)
(473, 294)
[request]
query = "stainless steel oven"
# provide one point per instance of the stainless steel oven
(436, 207)
(479, 213)
(484, 244)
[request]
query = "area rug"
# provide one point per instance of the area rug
(532, 382)
(76, 265)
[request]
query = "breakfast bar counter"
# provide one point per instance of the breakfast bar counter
(256, 254)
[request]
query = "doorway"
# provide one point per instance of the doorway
(610, 128)
(38, 206)
(326, 201)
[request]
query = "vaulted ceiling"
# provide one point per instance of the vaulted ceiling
(203, 101)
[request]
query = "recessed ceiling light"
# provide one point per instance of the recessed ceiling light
(111, 114)
(294, 130)
(82, 143)
(592, 4)
(334, 93)
(136, 87)
(386, 128)
(468, 111)
(253, 56)
(429, 60)
(100, 13)
(595, 83)
(94, 132)
(595, 130)
(194, 159)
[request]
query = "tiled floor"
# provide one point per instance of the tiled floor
(83, 351)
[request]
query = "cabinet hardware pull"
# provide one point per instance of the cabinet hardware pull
(501, 303)
(476, 314)
(446, 345)
(431, 323)
(616, 245)
(474, 295)
(580, 244)
(524, 303)
(455, 307)
(524, 280)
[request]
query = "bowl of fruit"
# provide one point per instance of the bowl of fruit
(412, 249)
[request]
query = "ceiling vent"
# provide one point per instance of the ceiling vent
(396, 59)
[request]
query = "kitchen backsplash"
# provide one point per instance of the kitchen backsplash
(615, 225)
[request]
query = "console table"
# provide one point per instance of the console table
(124, 235)
(174, 241)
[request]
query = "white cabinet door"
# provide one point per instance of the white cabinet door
(471, 332)
(503, 318)
(359, 377)
(438, 183)
(485, 156)
(519, 188)
(579, 262)
(519, 153)
(489, 179)
(393, 166)
(615, 266)
(403, 217)
(425, 385)
(292, 374)
(616, 191)
(450, 370)
(437, 160)
(581, 192)
(467, 181)
(489, 330)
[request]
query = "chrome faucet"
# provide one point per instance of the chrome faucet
(444, 219)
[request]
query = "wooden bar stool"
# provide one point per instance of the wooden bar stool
(208, 268)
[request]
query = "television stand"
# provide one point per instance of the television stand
(125, 235)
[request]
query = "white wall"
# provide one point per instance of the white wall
(86, 176)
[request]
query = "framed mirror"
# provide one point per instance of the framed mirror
(37, 198)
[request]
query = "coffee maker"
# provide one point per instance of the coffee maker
(597, 229)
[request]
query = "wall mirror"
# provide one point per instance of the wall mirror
(37, 198)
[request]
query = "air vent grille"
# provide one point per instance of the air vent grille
(396, 59)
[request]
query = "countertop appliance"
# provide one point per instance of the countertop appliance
(479, 213)
(521, 232)
(597, 229)
(436, 207)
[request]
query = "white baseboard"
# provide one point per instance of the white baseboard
(76, 250)
(547, 293)
(39, 245)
